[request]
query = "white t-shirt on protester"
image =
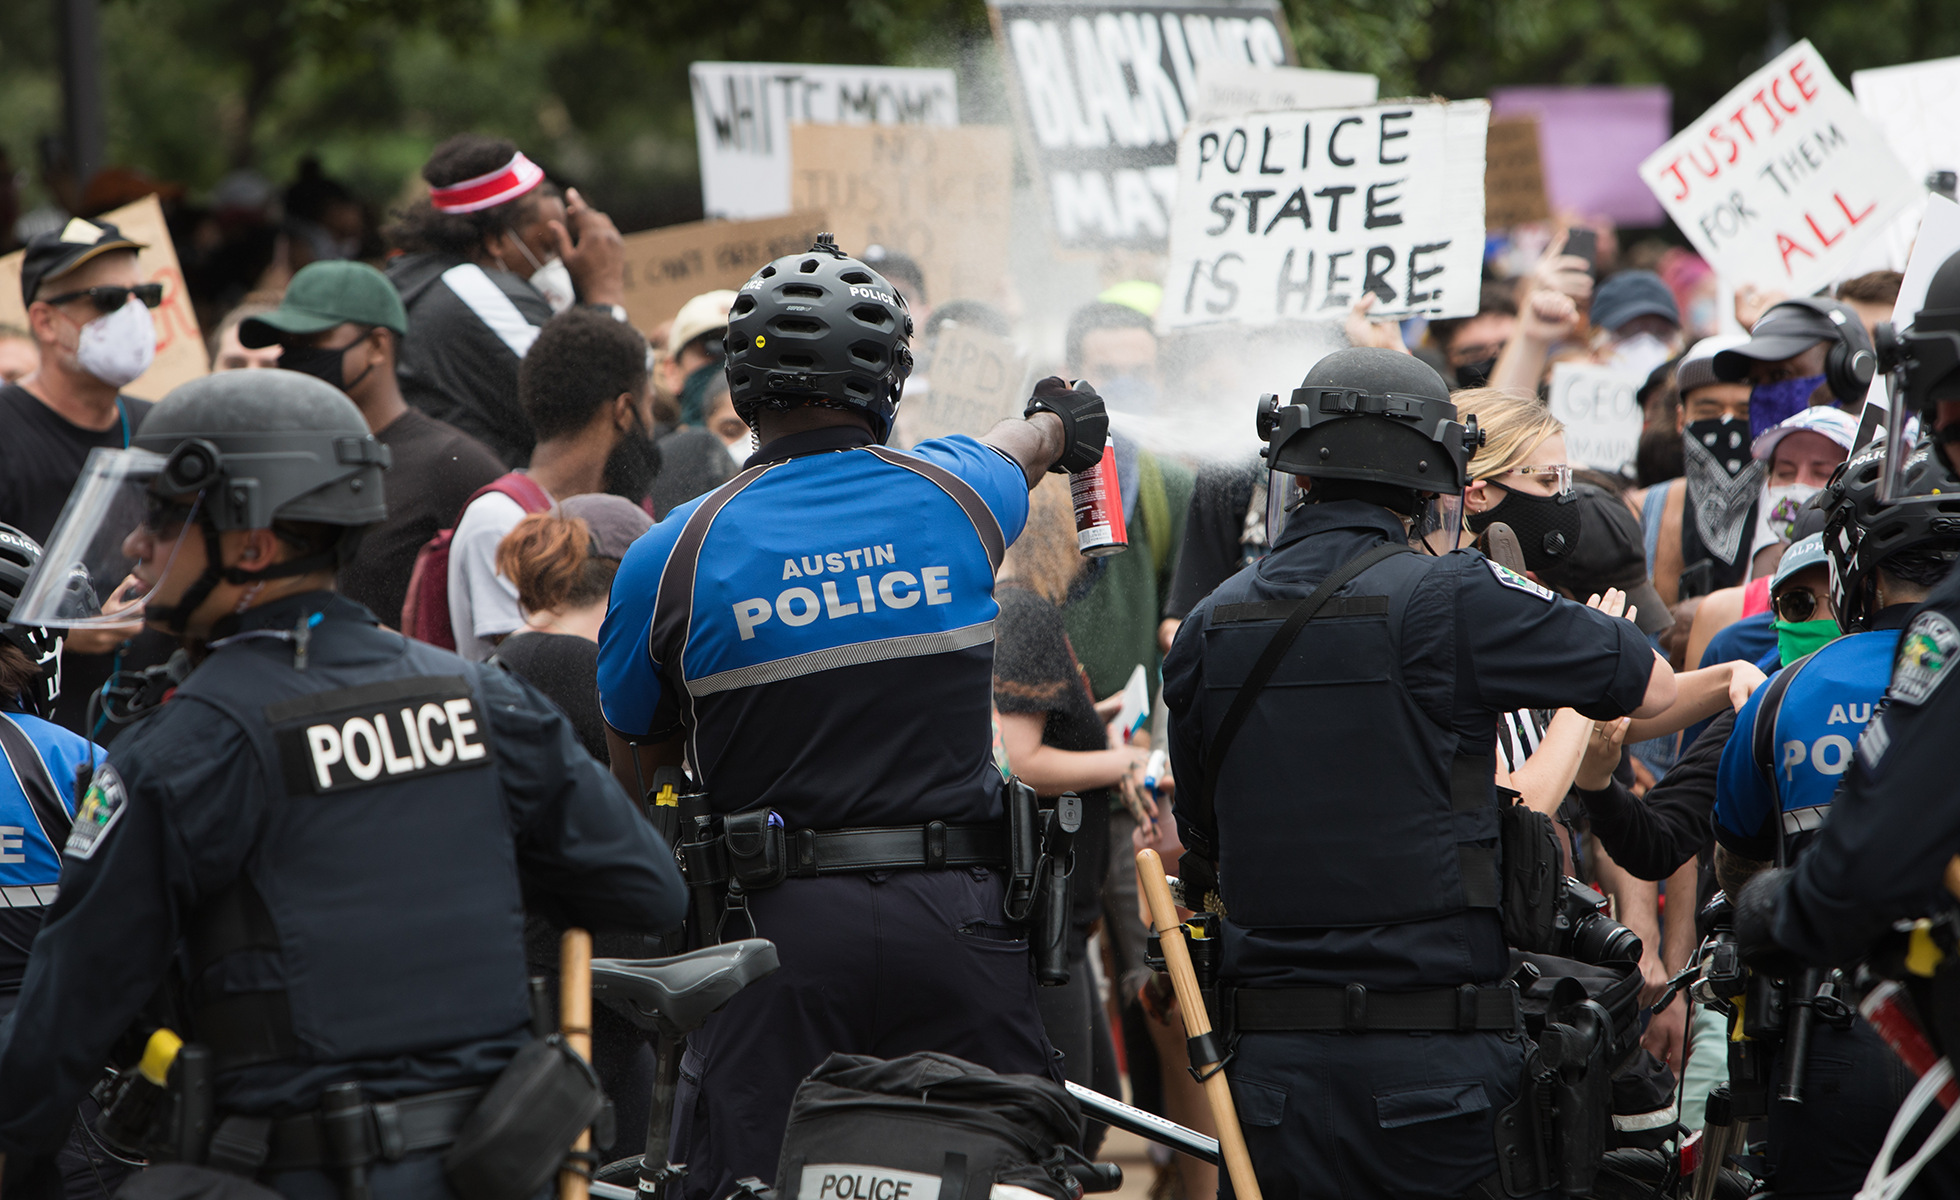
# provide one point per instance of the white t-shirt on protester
(482, 603)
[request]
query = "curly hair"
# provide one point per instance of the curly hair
(549, 558)
(419, 228)
(1046, 558)
(582, 361)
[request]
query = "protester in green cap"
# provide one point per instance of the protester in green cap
(343, 322)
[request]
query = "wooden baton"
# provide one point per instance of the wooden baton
(575, 1022)
(1197, 1022)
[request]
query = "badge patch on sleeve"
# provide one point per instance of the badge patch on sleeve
(1926, 655)
(101, 807)
(1511, 579)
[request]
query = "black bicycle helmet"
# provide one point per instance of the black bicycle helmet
(819, 328)
(1860, 534)
(19, 554)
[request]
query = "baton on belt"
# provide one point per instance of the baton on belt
(1206, 1055)
(575, 1021)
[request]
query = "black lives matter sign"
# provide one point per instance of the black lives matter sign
(1102, 92)
(1284, 216)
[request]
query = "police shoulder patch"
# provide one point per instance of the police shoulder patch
(1926, 655)
(1511, 579)
(101, 807)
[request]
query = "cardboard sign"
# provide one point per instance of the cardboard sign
(665, 268)
(1514, 177)
(940, 195)
(1913, 107)
(181, 356)
(1600, 406)
(1294, 215)
(1782, 182)
(977, 380)
(1591, 140)
(1230, 90)
(743, 113)
(1102, 91)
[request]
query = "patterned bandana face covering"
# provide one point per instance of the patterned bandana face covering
(1723, 482)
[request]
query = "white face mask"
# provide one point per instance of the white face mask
(739, 451)
(119, 347)
(1641, 353)
(552, 279)
(1776, 512)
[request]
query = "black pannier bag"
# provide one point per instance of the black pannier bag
(926, 1127)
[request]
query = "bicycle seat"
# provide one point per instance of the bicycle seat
(674, 996)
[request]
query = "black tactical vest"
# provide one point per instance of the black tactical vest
(379, 913)
(1342, 803)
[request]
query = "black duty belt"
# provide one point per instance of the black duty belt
(1356, 1009)
(834, 851)
(391, 1130)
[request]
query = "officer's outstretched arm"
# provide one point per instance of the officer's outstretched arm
(1063, 429)
(1661, 690)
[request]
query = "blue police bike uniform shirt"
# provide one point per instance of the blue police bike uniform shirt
(1821, 717)
(30, 862)
(838, 653)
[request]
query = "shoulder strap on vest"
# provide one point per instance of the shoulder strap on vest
(1762, 741)
(962, 493)
(42, 792)
(1269, 659)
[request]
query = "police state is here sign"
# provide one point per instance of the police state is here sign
(1783, 180)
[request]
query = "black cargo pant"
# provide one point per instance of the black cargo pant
(884, 964)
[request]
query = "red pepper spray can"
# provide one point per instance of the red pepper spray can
(1098, 498)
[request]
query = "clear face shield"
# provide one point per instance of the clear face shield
(1436, 528)
(86, 574)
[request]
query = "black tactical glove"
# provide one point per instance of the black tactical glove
(1085, 422)
(1755, 910)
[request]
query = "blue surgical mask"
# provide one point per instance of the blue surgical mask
(1771, 404)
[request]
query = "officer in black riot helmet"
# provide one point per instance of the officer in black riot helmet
(334, 831)
(1333, 711)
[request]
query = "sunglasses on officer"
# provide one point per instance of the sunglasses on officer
(1796, 605)
(110, 298)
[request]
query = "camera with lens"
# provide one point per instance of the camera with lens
(1584, 933)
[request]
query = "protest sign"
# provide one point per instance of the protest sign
(665, 268)
(1600, 406)
(1591, 141)
(1230, 89)
(975, 382)
(1288, 215)
(1781, 182)
(1514, 178)
(940, 195)
(181, 356)
(1913, 107)
(1101, 92)
(743, 113)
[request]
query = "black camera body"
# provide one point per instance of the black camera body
(1582, 930)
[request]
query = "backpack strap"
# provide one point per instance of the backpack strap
(1762, 740)
(1155, 507)
(31, 771)
(1269, 660)
(515, 484)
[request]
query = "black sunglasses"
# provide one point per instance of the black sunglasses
(1796, 605)
(109, 298)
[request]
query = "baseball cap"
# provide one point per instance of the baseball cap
(1804, 552)
(52, 255)
(323, 295)
(1697, 367)
(703, 314)
(1785, 331)
(615, 521)
(1609, 553)
(1835, 424)
(1625, 295)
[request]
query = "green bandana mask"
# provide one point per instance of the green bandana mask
(1794, 639)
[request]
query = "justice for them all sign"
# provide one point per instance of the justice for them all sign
(1294, 215)
(1783, 180)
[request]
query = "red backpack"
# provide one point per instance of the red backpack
(425, 610)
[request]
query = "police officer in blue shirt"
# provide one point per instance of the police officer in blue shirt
(1333, 713)
(333, 831)
(815, 637)
(37, 786)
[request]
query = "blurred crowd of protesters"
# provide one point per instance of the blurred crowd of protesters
(536, 433)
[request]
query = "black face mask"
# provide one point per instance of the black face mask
(1475, 374)
(633, 464)
(1725, 439)
(328, 365)
(1659, 457)
(1547, 526)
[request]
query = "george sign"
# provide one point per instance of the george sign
(1229, 89)
(1102, 91)
(1514, 178)
(1600, 406)
(940, 195)
(665, 268)
(976, 380)
(743, 113)
(181, 356)
(1782, 181)
(1591, 141)
(1295, 215)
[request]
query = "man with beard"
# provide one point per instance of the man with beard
(343, 322)
(584, 389)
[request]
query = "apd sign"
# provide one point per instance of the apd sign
(378, 733)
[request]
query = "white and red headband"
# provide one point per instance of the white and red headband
(500, 186)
